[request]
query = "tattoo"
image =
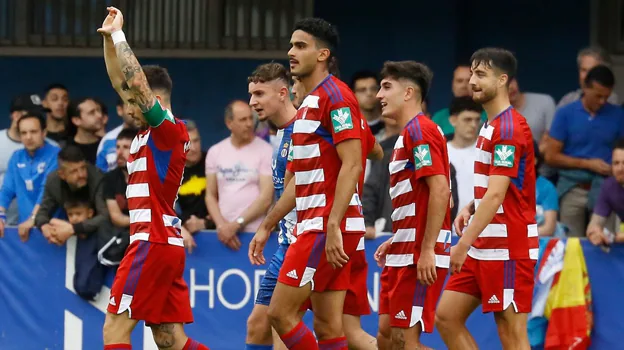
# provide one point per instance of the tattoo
(164, 336)
(136, 81)
(398, 339)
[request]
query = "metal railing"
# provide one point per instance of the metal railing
(158, 28)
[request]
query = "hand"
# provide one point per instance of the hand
(371, 233)
(226, 231)
(62, 231)
(48, 232)
(458, 256)
(234, 243)
(24, 229)
(599, 166)
(189, 241)
(380, 253)
(112, 23)
(256, 246)
(334, 251)
(461, 221)
(194, 224)
(2, 227)
(596, 236)
(426, 267)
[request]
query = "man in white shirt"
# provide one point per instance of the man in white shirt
(465, 116)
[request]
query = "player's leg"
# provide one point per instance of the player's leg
(328, 297)
(117, 330)
(167, 322)
(412, 306)
(259, 331)
(461, 297)
(357, 338)
(514, 300)
(118, 325)
(293, 288)
(356, 303)
(384, 331)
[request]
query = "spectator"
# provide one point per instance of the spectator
(365, 85)
(107, 149)
(547, 203)
(86, 115)
(465, 117)
(116, 181)
(238, 170)
(610, 200)
(580, 144)
(587, 59)
(74, 179)
(102, 131)
(538, 109)
(376, 201)
(460, 87)
(10, 140)
(56, 100)
(192, 193)
(27, 171)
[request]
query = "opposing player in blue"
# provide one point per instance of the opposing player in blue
(270, 99)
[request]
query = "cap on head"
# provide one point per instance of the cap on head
(27, 102)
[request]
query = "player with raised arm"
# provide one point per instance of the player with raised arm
(493, 262)
(327, 164)
(270, 98)
(149, 283)
(416, 261)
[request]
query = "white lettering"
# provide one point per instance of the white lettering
(194, 287)
(220, 295)
(258, 275)
(373, 301)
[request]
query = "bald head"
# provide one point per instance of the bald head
(237, 109)
(240, 121)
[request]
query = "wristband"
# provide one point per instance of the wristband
(118, 37)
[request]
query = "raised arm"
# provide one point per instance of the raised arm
(134, 85)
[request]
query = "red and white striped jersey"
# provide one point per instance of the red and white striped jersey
(155, 169)
(419, 152)
(329, 115)
(505, 147)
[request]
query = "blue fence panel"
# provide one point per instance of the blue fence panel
(38, 309)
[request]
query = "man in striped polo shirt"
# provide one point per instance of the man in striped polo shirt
(416, 261)
(493, 262)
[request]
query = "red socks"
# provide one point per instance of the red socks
(193, 345)
(300, 338)
(118, 347)
(333, 344)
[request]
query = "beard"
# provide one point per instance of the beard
(484, 96)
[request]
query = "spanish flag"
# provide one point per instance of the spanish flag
(569, 304)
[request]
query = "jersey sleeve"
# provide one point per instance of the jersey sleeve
(290, 158)
(9, 185)
(427, 146)
(368, 136)
(345, 118)
(508, 148)
(165, 128)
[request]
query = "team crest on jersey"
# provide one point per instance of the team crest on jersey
(504, 156)
(341, 119)
(422, 156)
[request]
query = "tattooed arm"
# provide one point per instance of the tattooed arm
(135, 80)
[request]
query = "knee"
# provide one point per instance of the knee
(384, 330)
(258, 325)
(115, 331)
(165, 336)
(327, 328)
(444, 321)
(274, 315)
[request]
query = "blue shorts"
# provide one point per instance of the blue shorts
(267, 286)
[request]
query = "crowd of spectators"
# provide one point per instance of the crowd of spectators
(63, 173)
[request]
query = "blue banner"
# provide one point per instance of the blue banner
(39, 310)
